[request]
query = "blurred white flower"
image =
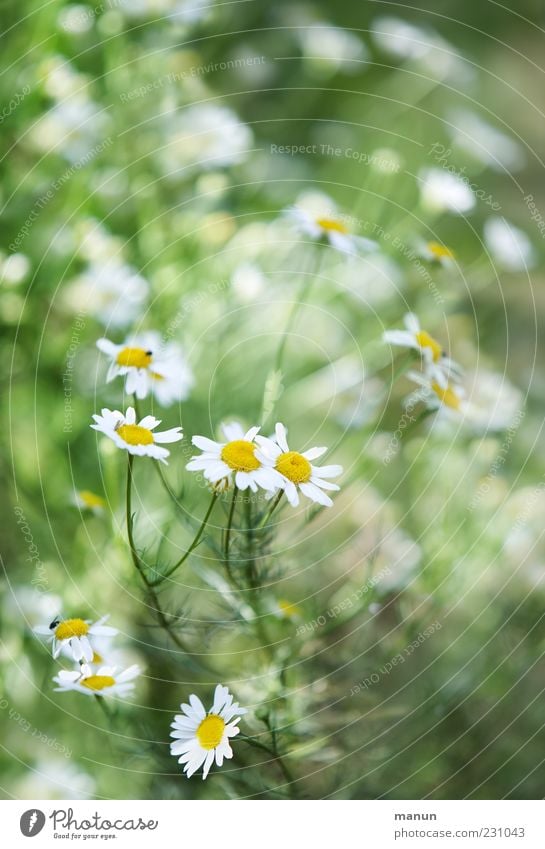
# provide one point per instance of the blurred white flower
(248, 281)
(486, 143)
(204, 136)
(315, 215)
(297, 471)
(509, 246)
(76, 634)
(200, 738)
(73, 128)
(111, 291)
(493, 402)
(14, 268)
(238, 457)
(436, 252)
(107, 681)
(405, 41)
(55, 778)
(150, 366)
(87, 500)
(184, 11)
(138, 439)
(76, 19)
(442, 191)
(327, 48)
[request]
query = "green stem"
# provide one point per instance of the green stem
(274, 753)
(193, 545)
(303, 294)
(161, 616)
(266, 517)
(228, 530)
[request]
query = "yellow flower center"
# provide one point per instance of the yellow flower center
(134, 358)
(426, 341)
(447, 396)
(210, 731)
(97, 658)
(135, 435)
(156, 376)
(294, 467)
(440, 251)
(71, 628)
(239, 456)
(288, 609)
(98, 682)
(91, 500)
(331, 224)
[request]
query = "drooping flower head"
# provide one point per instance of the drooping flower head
(436, 364)
(139, 439)
(200, 738)
(297, 471)
(149, 366)
(318, 218)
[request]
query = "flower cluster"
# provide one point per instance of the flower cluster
(438, 382)
(80, 641)
(252, 461)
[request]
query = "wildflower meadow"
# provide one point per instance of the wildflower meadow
(272, 470)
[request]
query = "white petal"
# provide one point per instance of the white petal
(327, 471)
(315, 494)
(281, 436)
(206, 444)
(197, 706)
(314, 453)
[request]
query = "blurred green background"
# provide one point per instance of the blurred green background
(138, 143)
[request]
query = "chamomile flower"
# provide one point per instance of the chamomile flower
(201, 737)
(139, 439)
(87, 500)
(148, 365)
(75, 634)
(318, 218)
(106, 681)
(436, 252)
(238, 457)
(296, 470)
(284, 609)
(449, 398)
(442, 191)
(508, 245)
(437, 365)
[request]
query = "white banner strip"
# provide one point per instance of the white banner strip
(262, 825)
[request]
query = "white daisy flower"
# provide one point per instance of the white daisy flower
(238, 457)
(76, 635)
(87, 500)
(149, 366)
(450, 398)
(437, 365)
(318, 218)
(138, 439)
(105, 682)
(297, 471)
(509, 246)
(200, 737)
(485, 142)
(441, 191)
